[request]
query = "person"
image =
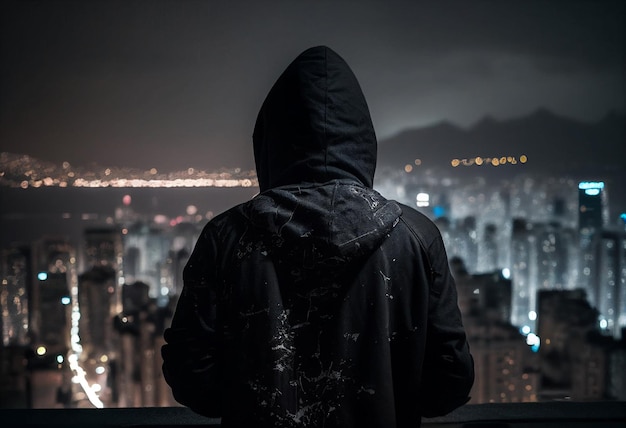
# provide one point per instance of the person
(318, 303)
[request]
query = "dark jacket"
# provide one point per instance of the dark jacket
(319, 303)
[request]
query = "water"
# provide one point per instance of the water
(28, 214)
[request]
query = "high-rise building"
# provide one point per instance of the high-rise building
(15, 290)
(140, 381)
(488, 249)
(552, 256)
(610, 282)
(522, 251)
(55, 291)
(572, 365)
(592, 217)
(55, 341)
(146, 248)
(103, 247)
(54, 311)
(96, 296)
(616, 387)
(467, 241)
(508, 366)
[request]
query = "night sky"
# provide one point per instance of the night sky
(178, 84)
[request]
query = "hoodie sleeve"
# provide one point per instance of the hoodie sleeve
(191, 355)
(448, 372)
(448, 367)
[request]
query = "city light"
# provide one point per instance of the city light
(66, 176)
(422, 199)
(584, 185)
(80, 378)
(439, 211)
(533, 341)
(494, 161)
(475, 220)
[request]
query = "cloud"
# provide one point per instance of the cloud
(101, 78)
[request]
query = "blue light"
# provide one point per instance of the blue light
(592, 192)
(65, 300)
(583, 185)
(533, 341)
(439, 211)
(42, 276)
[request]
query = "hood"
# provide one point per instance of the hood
(314, 125)
(315, 152)
(322, 225)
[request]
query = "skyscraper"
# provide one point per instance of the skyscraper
(521, 255)
(16, 287)
(592, 217)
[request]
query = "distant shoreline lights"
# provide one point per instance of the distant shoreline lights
(137, 183)
(23, 171)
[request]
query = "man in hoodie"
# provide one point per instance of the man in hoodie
(318, 303)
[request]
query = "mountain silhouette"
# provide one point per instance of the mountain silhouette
(552, 143)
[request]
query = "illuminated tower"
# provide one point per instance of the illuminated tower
(592, 217)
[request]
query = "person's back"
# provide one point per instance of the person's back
(318, 302)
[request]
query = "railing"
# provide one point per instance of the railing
(532, 415)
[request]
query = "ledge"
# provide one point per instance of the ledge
(536, 415)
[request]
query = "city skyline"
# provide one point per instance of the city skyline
(135, 261)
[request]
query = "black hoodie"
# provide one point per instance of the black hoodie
(319, 302)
